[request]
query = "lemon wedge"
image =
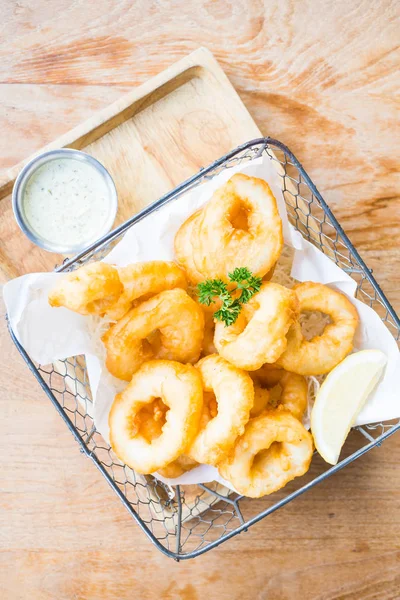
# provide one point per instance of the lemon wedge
(341, 397)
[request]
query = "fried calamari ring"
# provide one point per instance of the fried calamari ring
(209, 322)
(258, 335)
(208, 346)
(169, 325)
(274, 449)
(294, 394)
(179, 388)
(178, 467)
(144, 280)
(268, 276)
(209, 331)
(233, 390)
(184, 248)
(261, 399)
(239, 226)
(185, 463)
(268, 375)
(91, 289)
(322, 353)
(287, 390)
(149, 422)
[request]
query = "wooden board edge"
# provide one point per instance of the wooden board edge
(127, 106)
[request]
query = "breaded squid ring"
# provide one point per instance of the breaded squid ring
(209, 331)
(288, 391)
(179, 387)
(261, 399)
(209, 323)
(169, 325)
(268, 375)
(239, 226)
(258, 335)
(149, 423)
(184, 248)
(143, 280)
(274, 449)
(90, 290)
(185, 463)
(150, 420)
(234, 393)
(322, 353)
(178, 467)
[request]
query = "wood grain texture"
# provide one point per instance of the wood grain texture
(321, 77)
(151, 139)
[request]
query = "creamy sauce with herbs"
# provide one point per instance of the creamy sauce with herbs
(67, 202)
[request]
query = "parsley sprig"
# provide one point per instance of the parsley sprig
(211, 289)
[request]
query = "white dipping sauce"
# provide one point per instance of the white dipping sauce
(67, 201)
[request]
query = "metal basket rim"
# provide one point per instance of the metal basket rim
(264, 142)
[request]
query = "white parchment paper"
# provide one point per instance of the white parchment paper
(50, 334)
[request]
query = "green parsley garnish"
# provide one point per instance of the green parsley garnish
(246, 282)
(212, 289)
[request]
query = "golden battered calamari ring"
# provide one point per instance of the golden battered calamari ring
(185, 463)
(287, 390)
(268, 276)
(234, 394)
(144, 280)
(258, 335)
(322, 353)
(91, 289)
(268, 375)
(261, 399)
(294, 394)
(150, 420)
(178, 467)
(208, 346)
(274, 449)
(240, 226)
(184, 248)
(179, 387)
(209, 323)
(209, 331)
(170, 325)
(149, 423)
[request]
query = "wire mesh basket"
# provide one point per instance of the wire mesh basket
(186, 521)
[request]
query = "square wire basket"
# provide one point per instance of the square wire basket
(186, 521)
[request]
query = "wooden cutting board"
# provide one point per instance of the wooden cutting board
(150, 140)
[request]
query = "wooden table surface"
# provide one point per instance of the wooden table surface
(320, 76)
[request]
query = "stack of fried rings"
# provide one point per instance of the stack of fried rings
(240, 406)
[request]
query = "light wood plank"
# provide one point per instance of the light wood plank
(150, 140)
(320, 76)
